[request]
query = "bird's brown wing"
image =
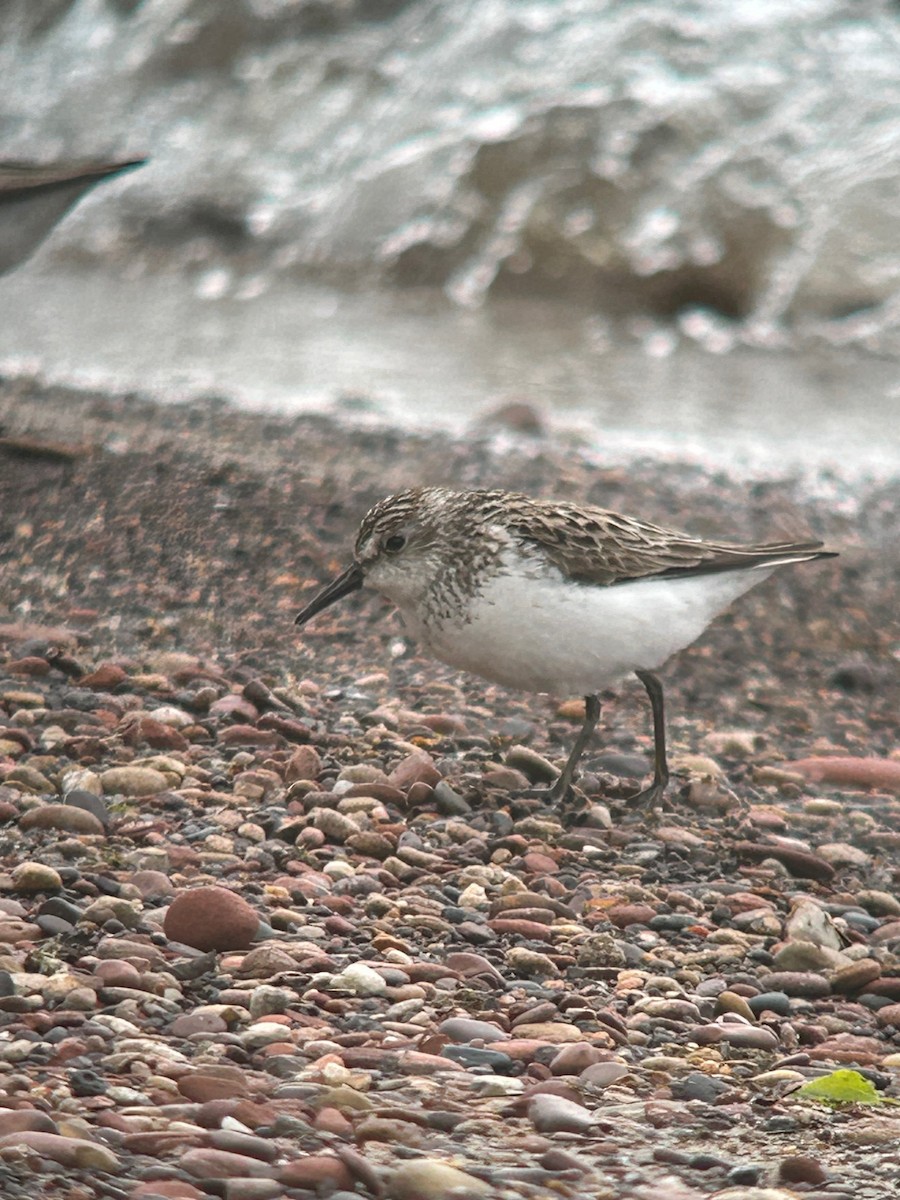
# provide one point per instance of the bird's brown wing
(593, 545)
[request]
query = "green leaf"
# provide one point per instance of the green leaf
(843, 1087)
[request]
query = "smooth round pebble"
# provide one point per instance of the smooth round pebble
(211, 918)
(603, 1074)
(133, 781)
(555, 1114)
(801, 1168)
(35, 877)
(574, 1058)
(152, 885)
(467, 1029)
(433, 1179)
(776, 1002)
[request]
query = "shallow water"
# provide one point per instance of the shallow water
(418, 361)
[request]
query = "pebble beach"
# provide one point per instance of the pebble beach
(281, 916)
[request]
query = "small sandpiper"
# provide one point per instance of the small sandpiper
(549, 596)
(34, 198)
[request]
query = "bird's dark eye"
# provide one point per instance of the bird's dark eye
(395, 543)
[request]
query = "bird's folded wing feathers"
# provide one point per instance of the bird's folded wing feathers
(601, 547)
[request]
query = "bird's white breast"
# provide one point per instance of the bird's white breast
(537, 631)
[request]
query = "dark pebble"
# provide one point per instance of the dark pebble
(745, 1176)
(873, 1002)
(673, 921)
(776, 1002)
(707, 1162)
(780, 1124)
(107, 886)
(863, 921)
(759, 954)
(456, 916)
(800, 1168)
(448, 802)
(89, 803)
(697, 1086)
(854, 677)
(57, 906)
(474, 1056)
(86, 1083)
(54, 926)
(56, 1034)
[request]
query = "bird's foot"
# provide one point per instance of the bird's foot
(557, 792)
(568, 804)
(649, 797)
(560, 791)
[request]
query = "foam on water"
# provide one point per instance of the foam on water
(741, 158)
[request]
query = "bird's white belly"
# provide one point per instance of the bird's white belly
(545, 634)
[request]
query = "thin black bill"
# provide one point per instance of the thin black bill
(348, 581)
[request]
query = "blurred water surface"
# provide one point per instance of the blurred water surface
(374, 357)
(678, 223)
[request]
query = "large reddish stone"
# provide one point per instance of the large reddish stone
(139, 728)
(881, 773)
(889, 1015)
(316, 1171)
(104, 679)
(211, 918)
(15, 1120)
(68, 1152)
(172, 1189)
(203, 1086)
(209, 1163)
(415, 768)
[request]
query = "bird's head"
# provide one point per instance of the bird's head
(397, 552)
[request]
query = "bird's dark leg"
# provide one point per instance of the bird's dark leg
(561, 787)
(654, 793)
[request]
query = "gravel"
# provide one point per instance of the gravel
(285, 916)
